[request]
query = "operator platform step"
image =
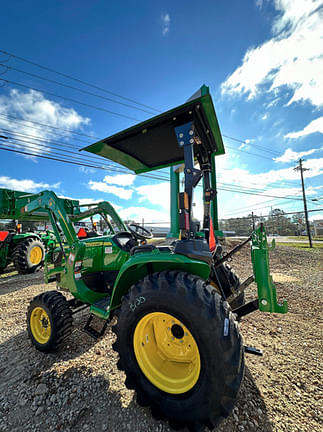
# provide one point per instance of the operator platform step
(91, 331)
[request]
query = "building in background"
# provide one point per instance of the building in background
(318, 227)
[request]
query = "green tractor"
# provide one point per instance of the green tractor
(178, 305)
(25, 250)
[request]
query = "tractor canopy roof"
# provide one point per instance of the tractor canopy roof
(153, 144)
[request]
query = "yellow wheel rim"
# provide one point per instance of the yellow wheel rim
(40, 325)
(167, 353)
(36, 255)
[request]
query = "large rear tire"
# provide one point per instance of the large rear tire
(230, 283)
(49, 321)
(29, 255)
(180, 348)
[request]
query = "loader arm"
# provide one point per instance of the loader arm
(49, 201)
(101, 208)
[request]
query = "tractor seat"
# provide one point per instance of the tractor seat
(143, 248)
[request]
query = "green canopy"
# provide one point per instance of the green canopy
(153, 144)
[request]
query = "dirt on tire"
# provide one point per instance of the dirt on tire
(79, 388)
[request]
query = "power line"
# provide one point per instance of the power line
(76, 88)
(256, 206)
(226, 186)
(244, 217)
(48, 126)
(111, 112)
(281, 182)
(44, 147)
(274, 152)
(35, 146)
(245, 151)
(76, 133)
(69, 99)
(77, 80)
(270, 215)
(251, 189)
(37, 138)
(76, 161)
(260, 194)
(48, 143)
(108, 111)
(73, 147)
(118, 170)
(11, 55)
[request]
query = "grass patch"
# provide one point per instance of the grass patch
(318, 238)
(300, 245)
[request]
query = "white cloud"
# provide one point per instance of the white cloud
(148, 214)
(25, 185)
(33, 106)
(107, 185)
(156, 194)
(289, 155)
(272, 103)
(120, 179)
(86, 170)
(259, 3)
(292, 58)
(316, 216)
(243, 146)
(84, 201)
(238, 205)
(315, 126)
(115, 190)
(165, 18)
(264, 117)
(245, 178)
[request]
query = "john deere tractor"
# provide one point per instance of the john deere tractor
(24, 249)
(177, 306)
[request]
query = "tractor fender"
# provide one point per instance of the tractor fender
(26, 236)
(141, 264)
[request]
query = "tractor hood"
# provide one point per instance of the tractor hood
(153, 144)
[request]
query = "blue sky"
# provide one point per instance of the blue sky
(261, 59)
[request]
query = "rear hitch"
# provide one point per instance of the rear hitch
(260, 261)
(231, 253)
(246, 308)
(241, 289)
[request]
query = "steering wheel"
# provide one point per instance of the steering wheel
(145, 234)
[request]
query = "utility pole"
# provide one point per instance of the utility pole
(301, 169)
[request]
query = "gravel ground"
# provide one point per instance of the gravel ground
(80, 388)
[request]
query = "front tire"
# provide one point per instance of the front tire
(29, 255)
(49, 321)
(180, 348)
